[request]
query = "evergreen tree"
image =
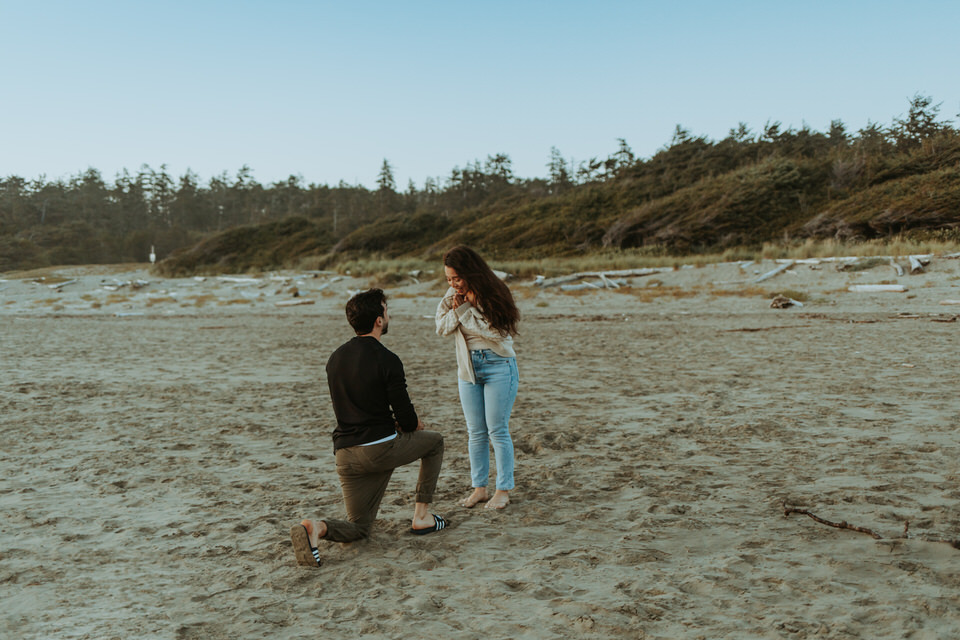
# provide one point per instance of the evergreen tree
(385, 180)
(557, 171)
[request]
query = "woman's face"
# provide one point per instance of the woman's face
(459, 284)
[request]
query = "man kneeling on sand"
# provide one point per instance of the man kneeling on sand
(377, 431)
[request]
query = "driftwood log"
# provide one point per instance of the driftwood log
(61, 285)
(625, 273)
(294, 303)
(916, 265)
(843, 524)
(769, 274)
(783, 302)
(580, 287)
(861, 288)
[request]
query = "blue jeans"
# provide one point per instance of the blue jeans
(486, 407)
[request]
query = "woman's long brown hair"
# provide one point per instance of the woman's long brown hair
(493, 295)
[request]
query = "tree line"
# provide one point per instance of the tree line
(87, 219)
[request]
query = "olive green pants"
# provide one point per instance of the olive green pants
(365, 472)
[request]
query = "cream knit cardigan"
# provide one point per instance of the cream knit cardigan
(454, 322)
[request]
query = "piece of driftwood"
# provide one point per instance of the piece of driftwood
(625, 273)
(861, 288)
(579, 287)
(783, 302)
(950, 302)
(839, 525)
(605, 283)
(238, 280)
(294, 303)
(608, 283)
(117, 285)
(769, 274)
(915, 265)
(59, 285)
(843, 524)
(817, 261)
(896, 266)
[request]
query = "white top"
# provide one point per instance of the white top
(470, 331)
(380, 441)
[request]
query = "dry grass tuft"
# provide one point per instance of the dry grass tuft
(377, 265)
(524, 293)
(831, 248)
(745, 292)
(387, 279)
(577, 293)
(864, 264)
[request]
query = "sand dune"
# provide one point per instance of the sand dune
(156, 450)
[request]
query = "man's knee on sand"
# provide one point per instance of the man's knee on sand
(348, 531)
(364, 529)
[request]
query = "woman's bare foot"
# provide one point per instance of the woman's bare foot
(499, 500)
(315, 530)
(479, 495)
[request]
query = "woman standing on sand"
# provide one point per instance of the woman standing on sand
(479, 312)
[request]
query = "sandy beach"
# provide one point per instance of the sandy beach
(161, 436)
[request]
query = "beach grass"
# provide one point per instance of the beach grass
(386, 270)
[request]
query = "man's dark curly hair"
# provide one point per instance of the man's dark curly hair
(364, 308)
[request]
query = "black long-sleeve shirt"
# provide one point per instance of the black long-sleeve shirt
(369, 393)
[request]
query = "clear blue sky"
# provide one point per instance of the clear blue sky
(327, 90)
